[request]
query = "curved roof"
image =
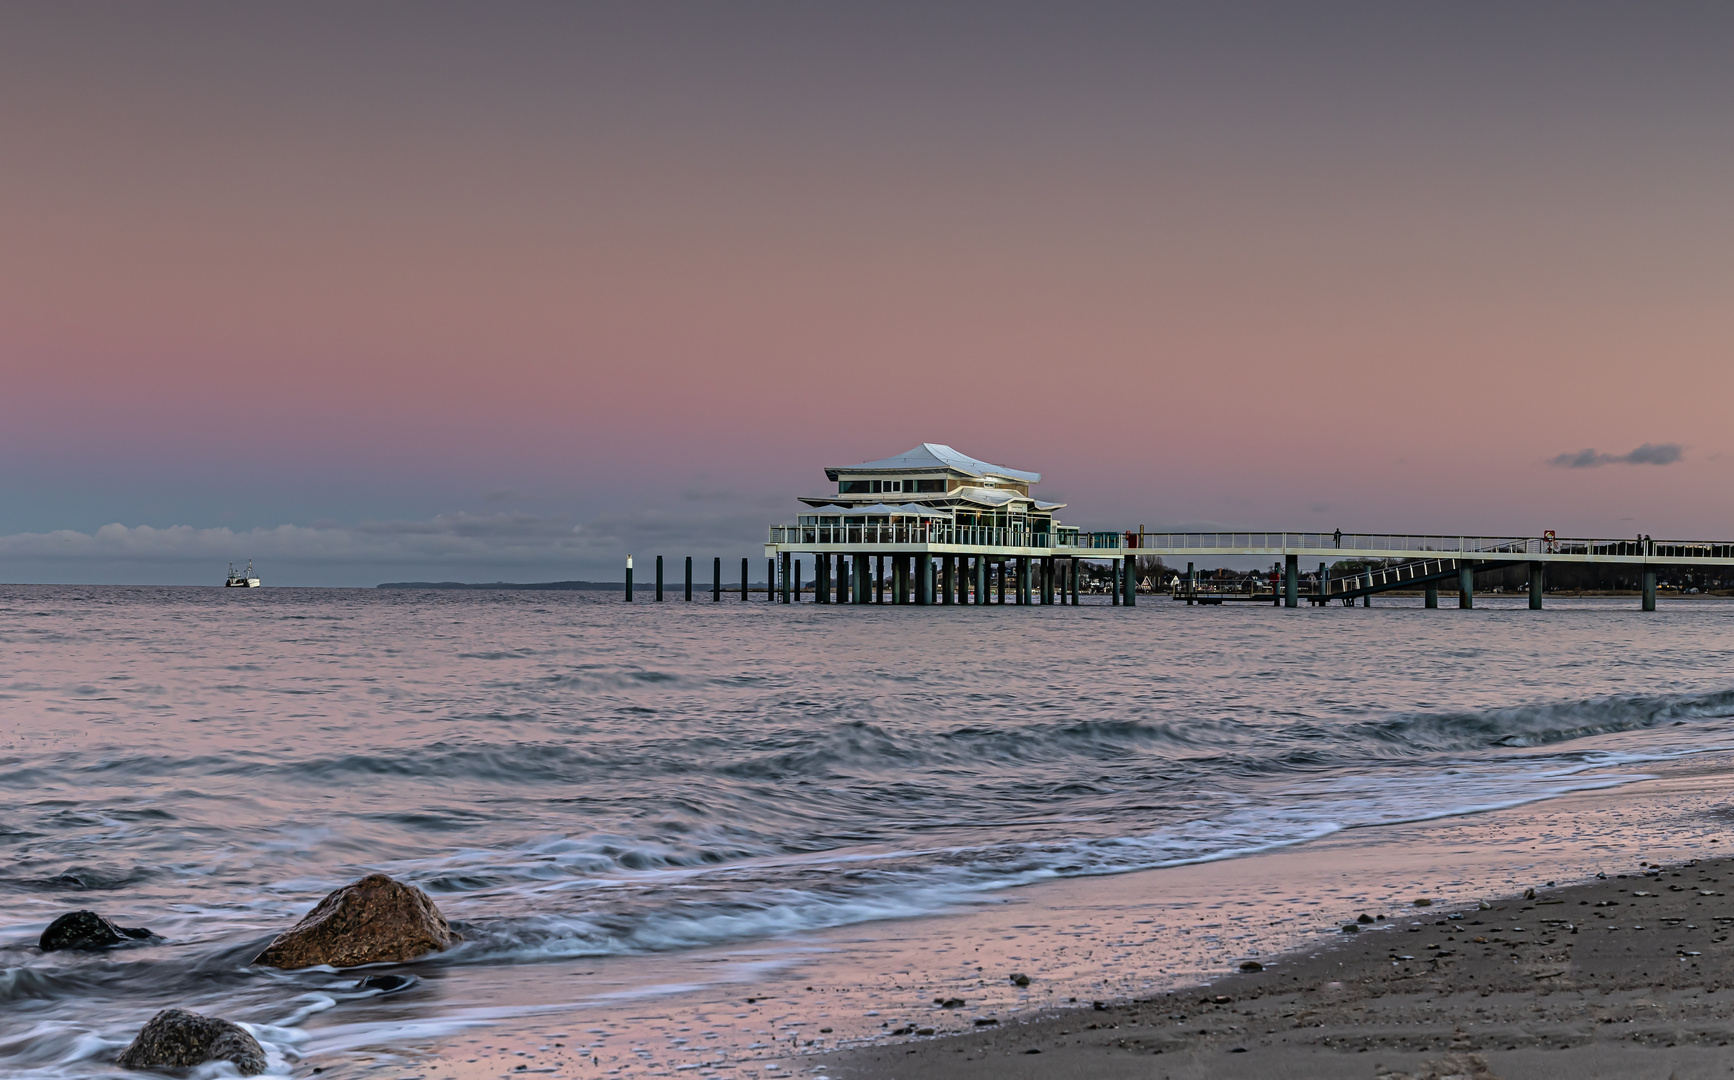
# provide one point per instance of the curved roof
(936, 456)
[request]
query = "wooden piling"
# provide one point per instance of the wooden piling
(689, 579)
(659, 579)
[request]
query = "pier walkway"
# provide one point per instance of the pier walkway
(933, 560)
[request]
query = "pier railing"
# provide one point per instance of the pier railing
(1423, 545)
(924, 532)
(1075, 543)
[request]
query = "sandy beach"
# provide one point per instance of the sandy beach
(1619, 975)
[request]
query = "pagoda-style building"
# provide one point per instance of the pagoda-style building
(944, 524)
(933, 479)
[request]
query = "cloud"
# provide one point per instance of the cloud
(460, 546)
(1647, 454)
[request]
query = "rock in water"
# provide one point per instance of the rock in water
(372, 921)
(87, 930)
(177, 1038)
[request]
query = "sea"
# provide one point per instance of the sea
(586, 785)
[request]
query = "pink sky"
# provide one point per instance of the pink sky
(1277, 270)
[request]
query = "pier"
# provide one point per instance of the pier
(933, 526)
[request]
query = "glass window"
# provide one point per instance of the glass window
(930, 485)
(855, 487)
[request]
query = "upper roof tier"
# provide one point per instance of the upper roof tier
(935, 456)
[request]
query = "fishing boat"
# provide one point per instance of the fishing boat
(244, 580)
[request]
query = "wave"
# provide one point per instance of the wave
(1544, 724)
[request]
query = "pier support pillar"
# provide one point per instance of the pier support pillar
(659, 579)
(1466, 587)
(716, 580)
(1191, 584)
(797, 581)
(1131, 581)
(879, 589)
(1649, 589)
(821, 579)
(1291, 581)
(1536, 579)
(1119, 587)
(788, 566)
(924, 580)
(1020, 595)
(1000, 576)
(689, 579)
(980, 580)
(1432, 595)
(771, 580)
(743, 580)
(1047, 572)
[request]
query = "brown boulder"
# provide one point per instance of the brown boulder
(372, 921)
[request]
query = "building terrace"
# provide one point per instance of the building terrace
(945, 521)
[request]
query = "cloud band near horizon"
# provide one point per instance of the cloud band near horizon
(1647, 454)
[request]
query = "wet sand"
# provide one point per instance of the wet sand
(871, 1001)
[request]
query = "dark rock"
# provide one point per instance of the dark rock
(1351, 928)
(1251, 965)
(175, 1038)
(386, 984)
(88, 930)
(1364, 919)
(1021, 980)
(372, 921)
(950, 1003)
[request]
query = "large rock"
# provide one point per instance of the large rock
(372, 921)
(87, 930)
(175, 1038)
